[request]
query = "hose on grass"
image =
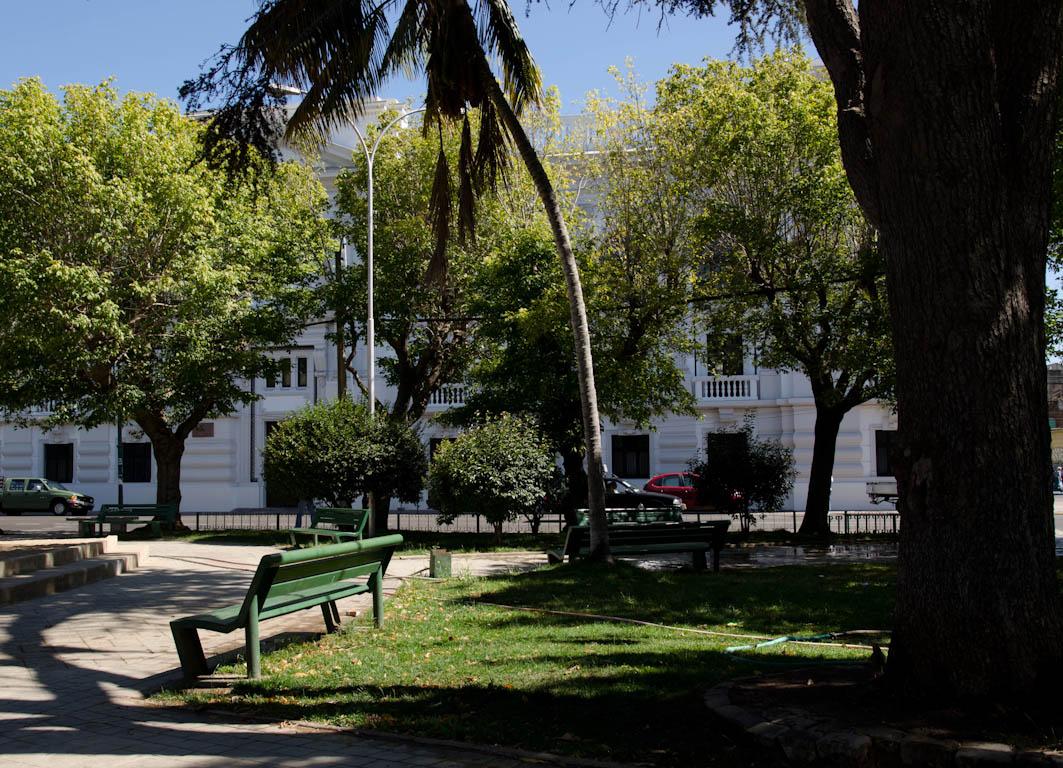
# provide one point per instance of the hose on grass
(764, 640)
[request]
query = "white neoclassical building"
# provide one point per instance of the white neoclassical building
(222, 464)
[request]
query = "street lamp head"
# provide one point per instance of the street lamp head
(280, 90)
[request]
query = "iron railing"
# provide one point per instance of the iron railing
(845, 523)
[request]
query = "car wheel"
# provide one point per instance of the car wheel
(58, 507)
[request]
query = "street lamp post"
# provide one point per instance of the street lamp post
(370, 327)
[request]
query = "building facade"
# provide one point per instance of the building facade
(222, 466)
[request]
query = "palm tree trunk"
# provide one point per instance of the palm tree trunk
(599, 538)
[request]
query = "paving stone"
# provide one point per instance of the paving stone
(799, 746)
(73, 667)
(931, 753)
(845, 748)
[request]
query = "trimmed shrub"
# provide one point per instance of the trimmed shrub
(336, 452)
(500, 469)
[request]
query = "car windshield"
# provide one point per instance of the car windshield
(619, 486)
(57, 486)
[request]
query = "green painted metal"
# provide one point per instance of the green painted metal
(291, 581)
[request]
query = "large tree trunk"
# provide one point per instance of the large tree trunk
(599, 538)
(381, 511)
(816, 521)
(948, 140)
(576, 479)
(168, 450)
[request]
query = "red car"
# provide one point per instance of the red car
(680, 484)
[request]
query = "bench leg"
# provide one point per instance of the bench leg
(378, 598)
(330, 621)
(335, 613)
(86, 528)
(156, 529)
(254, 649)
(699, 559)
(190, 651)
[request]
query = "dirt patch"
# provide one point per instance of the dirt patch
(854, 700)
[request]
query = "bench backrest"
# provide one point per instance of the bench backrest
(619, 515)
(286, 572)
(336, 516)
(659, 533)
(168, 511)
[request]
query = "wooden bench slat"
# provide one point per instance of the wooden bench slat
(655, 538)
(335, 517)
(118, 516)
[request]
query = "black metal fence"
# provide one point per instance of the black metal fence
(852, 522)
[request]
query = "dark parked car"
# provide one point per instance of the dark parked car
(620, 494)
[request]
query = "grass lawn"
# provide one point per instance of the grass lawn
(447, 665)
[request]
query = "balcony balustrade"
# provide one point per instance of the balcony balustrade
(715, 389)
(447, 396)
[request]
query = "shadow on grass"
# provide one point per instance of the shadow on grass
(448, 666)
(772, 601)
(646, 708)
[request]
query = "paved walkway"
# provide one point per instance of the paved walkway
(74, 668)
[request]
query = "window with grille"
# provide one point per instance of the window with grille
(884, 442)
(59, 462)
(291, 372)
(136, 462)
(631, 455)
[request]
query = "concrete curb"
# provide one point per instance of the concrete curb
(800, 738)
(83, 561)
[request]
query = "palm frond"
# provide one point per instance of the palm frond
(492, 149)
(328, 47)
(466, 190)
(439, 211)
(500, 35)
(405, 51)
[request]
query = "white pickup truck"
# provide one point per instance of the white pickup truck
(882, 491)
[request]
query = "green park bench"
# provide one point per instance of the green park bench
(653, 539)
(333, 524)
(118, 517)
(287, 582)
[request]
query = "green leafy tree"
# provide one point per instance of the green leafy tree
(428, 328)
(337, 452)
(500, 469)
(638, 264)
(744, 475)
(947, 116)
(340, 51)
(136, 283)
(794, 261)
(425, 326)
(642, 263)
(523, 361)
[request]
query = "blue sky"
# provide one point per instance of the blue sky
(153, 45)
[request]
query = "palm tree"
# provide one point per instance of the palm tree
(339, 51)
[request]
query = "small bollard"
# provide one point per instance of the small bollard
(439, 564)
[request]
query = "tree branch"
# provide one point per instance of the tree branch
(835, 30)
